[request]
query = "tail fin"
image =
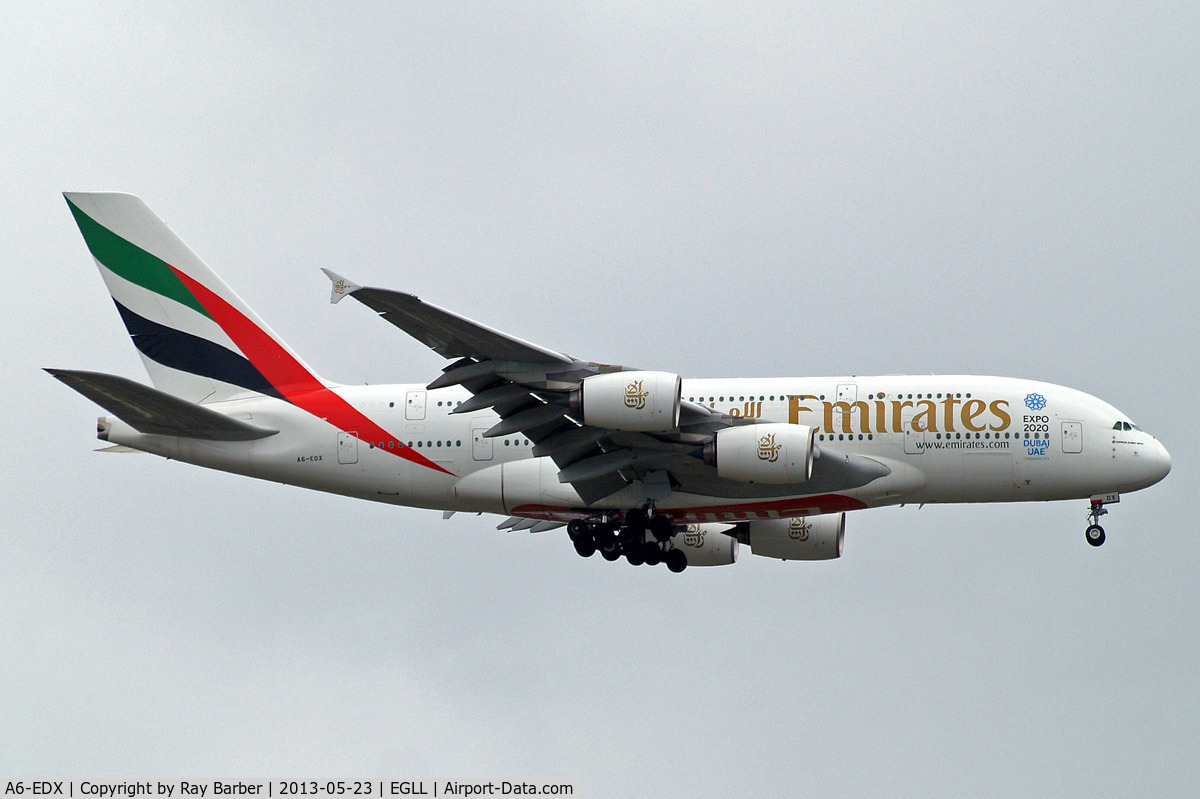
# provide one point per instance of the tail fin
(197, 339)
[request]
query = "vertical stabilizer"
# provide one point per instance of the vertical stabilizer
(197, 338)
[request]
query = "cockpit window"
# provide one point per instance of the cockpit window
(1126, 426)
(1117, 426)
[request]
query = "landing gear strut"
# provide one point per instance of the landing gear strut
(1095, 533)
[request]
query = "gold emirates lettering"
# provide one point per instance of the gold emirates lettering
(879, 416)
(768, 450)
(799, 527)
(635, 397)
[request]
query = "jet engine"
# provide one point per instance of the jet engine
(646, 402)
(799, 538)
(706, 544)
(763, 453)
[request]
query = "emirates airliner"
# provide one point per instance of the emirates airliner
(642, 465)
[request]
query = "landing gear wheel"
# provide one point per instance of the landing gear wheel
(611, 553)
(651, 554)
(585, 548)
(660, 526)
(604, 536)
(626, 538)
(577, 529)
(634, 556)
(635, 520)
(1095, 535)
(676, 560)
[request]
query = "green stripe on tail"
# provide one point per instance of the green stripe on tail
(132, 262)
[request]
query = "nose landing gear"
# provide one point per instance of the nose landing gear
(1095, 533)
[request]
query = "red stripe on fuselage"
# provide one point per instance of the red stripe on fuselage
(826, 503)
(299, 386)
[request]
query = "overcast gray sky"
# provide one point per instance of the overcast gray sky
(743, 189)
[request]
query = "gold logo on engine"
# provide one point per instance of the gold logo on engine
(768, 450)
(693, 536)
(635, 397)
(799, 528)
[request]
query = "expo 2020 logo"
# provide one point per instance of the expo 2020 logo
(1035, 402)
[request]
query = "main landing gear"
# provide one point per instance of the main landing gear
(644, 538)
(1095, 533)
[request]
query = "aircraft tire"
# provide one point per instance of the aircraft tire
(585, 548)
(610, 553)
(660, 526)
(635, 520)
(1095, 535)
(651, 554)
(604, 536)
(676, 560)
(577, 529)
(634, 556)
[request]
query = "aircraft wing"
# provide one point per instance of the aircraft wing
(528, 387)
(446, 333)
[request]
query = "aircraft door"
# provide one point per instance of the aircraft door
(414, 405)
(848, 393)
(914, 440)
(347, 448)
(481, 448)
(1072, 437)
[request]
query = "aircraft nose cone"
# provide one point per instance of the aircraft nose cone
(1159, 462)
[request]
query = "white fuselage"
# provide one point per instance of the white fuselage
(945, 439)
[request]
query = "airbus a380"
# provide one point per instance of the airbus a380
(643, 465)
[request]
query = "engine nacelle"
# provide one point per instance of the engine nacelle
(646, 402)
(763, 453)
(799, 538)
(706, 544)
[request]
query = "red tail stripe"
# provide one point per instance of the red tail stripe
(299, 386)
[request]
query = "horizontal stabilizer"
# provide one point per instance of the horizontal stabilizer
(155, 412)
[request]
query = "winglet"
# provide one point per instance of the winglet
(341, 286)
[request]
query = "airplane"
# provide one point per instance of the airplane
(642, 465)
